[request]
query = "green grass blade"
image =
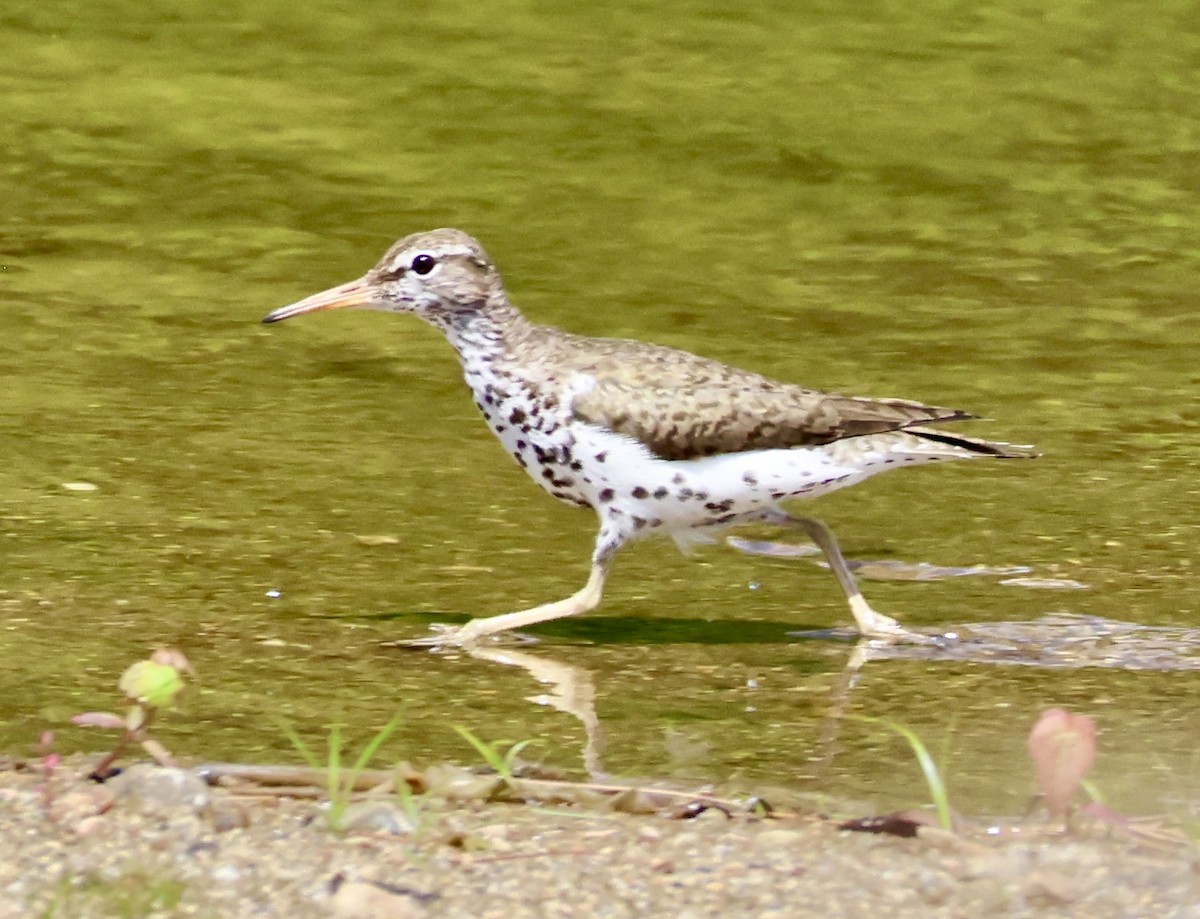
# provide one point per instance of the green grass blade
(510, 756)
(298, 742)
(933, 778)
(372, 748)
(1093, 791)
(490, 754)
(339, 781)
(333, 778)
(407, 800)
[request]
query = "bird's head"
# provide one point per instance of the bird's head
(443, 276)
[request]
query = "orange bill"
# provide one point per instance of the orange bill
(358, 294)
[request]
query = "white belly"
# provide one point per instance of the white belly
(675, 496)
(638, 493)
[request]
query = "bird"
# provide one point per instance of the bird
(653, 439)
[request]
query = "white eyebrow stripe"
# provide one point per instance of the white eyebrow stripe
(404, 260)
(456, 250)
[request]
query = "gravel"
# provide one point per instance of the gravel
(158, 841)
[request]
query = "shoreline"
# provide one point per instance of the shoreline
(162, 841)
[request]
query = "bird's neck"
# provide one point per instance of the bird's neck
(481, 331)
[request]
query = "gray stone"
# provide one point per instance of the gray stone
(160, 790)
(376, 817)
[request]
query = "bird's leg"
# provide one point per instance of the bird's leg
(870, 623)
(584, 599)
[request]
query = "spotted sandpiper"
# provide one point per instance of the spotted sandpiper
(653, 439)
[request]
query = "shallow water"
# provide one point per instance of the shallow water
(991, 207)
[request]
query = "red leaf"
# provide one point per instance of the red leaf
(1063, 747)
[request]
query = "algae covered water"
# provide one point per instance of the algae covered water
(991, 208)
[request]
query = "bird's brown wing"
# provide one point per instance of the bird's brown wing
(685, 423)
(683, 406)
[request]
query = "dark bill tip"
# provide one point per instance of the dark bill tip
(354, 295)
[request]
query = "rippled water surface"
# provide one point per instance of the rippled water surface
(991, 206)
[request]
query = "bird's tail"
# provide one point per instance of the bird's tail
(916, 446)
(974, 445)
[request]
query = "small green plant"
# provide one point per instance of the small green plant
(501, 763)
(412, 807)
(132, 895)
(339, 781)
(152, 685)
(933, 777)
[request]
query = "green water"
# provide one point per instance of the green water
(991, 206)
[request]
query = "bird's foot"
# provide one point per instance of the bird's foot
(449, 637)
(443, 638)
(892, 632)
(879, 627)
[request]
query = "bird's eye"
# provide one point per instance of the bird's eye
(424, 263)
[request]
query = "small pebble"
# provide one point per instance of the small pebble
(361, 900)
(227, 814)
(162, 790)
(72, 807)
(376, 817)
(650, 834)
(777, 839)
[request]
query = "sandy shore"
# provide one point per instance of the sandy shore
(157, 841)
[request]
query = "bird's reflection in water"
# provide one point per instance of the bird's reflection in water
(1051, 642)
(571, 691)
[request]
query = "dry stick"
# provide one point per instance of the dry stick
(276, 775)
